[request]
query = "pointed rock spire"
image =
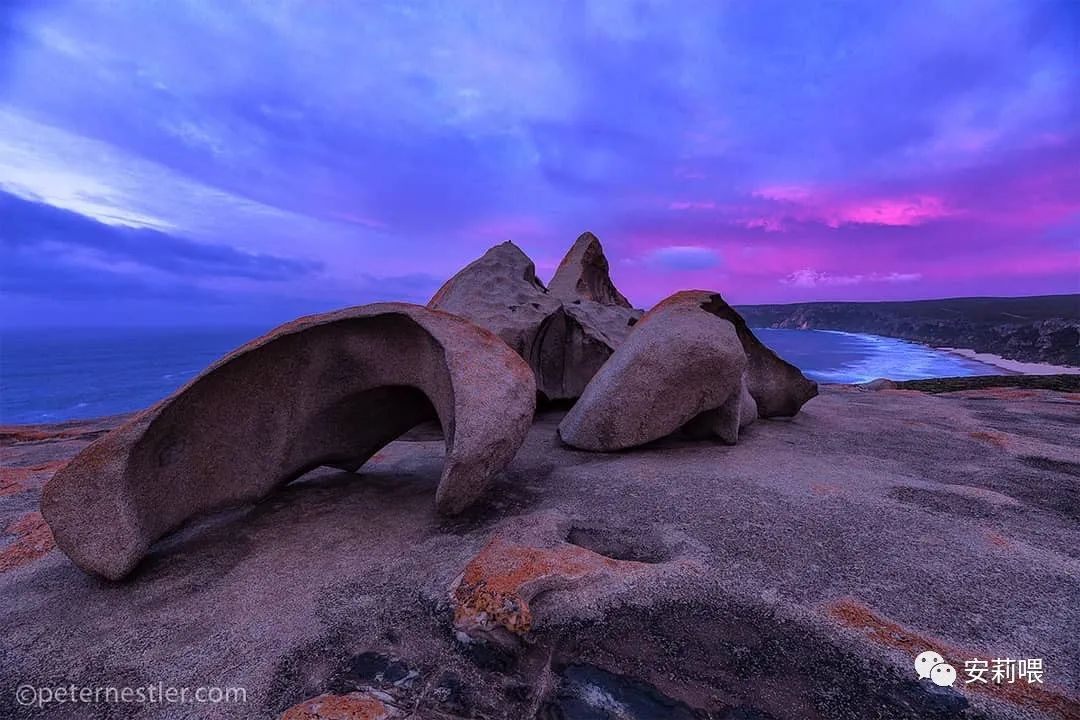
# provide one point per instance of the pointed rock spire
(583, 274)
(564, 339)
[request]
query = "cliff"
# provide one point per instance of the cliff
(1030, 329)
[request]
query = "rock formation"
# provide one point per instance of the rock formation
(801, 568)
(583, 275)
(778, 387)
(566, 336)
(352, 706)
(500, 292)
(726, 421)
(327, 389)
(678, 363)
(542, 554)
(690, 362)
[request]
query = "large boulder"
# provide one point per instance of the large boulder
(727, 421)
(583, 275)
(678, 363)
(778, 387)
(327, 389)
(564, 338)
(691, 362)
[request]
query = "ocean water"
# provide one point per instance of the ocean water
(53, 375)
(829, 356)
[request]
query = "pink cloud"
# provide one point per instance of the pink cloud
(809, 278)
(784, 193)
(830, 207)
(692, 205)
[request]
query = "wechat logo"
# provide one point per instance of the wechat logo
(931, 665)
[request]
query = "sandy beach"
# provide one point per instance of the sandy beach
(1013, 366)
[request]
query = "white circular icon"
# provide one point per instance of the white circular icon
(943, 674)
(926, 661)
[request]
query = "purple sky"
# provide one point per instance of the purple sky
(203, 161)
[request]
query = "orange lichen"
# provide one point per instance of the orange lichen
(33, 539)
(354, 706)
(883, 631)
(17, 434)
(997, 539)
(994, 438)
(11, 480)
(14, 479)
(823, 488)
(683, 297)
(495, 587)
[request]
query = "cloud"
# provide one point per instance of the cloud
(403, 139)
(810, 278)
(836, 207)
(36, 236)
(683, 257)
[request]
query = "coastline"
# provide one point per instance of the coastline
(1013, 367)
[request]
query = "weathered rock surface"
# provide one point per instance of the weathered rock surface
(491, 597)
(834, 548)
(353, 706)
(500, 291)
(726, 421)
(584, 274)
(680, 361)
(879, 384)
(327, 389)
(565, 339)
(778, 387)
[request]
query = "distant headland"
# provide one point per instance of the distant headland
(1042, 329)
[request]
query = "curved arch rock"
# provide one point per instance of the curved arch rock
(327, 389)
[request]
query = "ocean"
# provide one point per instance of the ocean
(53, 375)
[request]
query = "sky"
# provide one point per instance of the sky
(196, 161)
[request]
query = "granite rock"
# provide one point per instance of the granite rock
(678, 363)
(325, 390)
(564, 337)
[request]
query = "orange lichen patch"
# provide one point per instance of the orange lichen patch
(354, 706)
(498, 583)
(683, 297)
(17, 434)
(997, 539)
(15, 479)
(883, 631)
(820, 488)
(11, 480)
(33, 539)
(994, 438)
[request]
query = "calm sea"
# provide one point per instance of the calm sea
(52, 375)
